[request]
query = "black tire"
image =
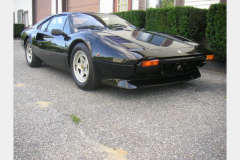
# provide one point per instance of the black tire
(31, 58)
(82, 69)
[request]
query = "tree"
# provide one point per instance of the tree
(167, 3)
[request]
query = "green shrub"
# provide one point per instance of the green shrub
(135, 17)
(216, 30)
(185, 21)
(18, 28)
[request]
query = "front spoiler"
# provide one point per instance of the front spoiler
(133, 84)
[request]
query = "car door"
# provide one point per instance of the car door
(53, 47)
(38, 38)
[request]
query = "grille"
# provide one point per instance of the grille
(178, 68)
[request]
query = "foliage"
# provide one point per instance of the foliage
(75, 118)
(135, 17)
(167, 3)
(185, 21)
(216, 30)
(17, 29)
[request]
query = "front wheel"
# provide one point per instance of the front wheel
(31, 58)
(82, 68)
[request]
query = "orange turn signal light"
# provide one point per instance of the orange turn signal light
(210, 57)
(149, 63)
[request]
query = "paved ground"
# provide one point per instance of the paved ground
(180, 121)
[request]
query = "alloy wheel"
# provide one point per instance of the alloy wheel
(29, 52)
(81, 66)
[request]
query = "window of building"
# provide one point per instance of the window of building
(26, 19)
(20, 16)
(122, 5)
(153, 3)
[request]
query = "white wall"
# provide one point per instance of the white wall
(25, 5)
(135, 4)
(106, 6)
(200, 3)
(59, 6)
(151, 4)
(53, 7)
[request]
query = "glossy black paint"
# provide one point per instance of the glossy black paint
(117, 54)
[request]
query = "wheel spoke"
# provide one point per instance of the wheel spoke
(81, 59)
(86, 72)
(30, 49)
(78, 66)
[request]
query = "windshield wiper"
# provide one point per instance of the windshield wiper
(93, 27)
(117, 26)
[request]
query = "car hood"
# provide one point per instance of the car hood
(153, 44)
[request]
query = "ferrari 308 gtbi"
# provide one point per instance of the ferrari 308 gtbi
(106, 49)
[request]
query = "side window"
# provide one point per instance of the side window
(57, 23)
(43, 26)
(66, 28)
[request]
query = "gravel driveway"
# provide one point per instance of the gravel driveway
(186, 120)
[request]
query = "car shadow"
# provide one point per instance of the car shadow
(174, 89)
(194, 86)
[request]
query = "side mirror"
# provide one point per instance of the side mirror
(56, 32)
(59, 32)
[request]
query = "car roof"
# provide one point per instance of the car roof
(90, 13)
(69, 13)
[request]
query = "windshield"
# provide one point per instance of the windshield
(82, 21)
(99, 22)
(114, 22)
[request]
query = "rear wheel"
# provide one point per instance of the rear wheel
(31, 58)
(82, 68)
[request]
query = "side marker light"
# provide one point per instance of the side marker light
(149, 63)
(210, 57)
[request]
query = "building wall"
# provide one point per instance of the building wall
(25, 5)
(42, 9)
(223, 1)
(106, 6)
(179, 2)
(200, 3)
(142, 4)
(83, 5)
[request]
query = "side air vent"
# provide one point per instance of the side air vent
(118, 39)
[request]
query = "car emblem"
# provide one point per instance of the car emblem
(179, 67)
(179, 51)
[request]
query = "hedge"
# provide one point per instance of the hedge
(18, 28)
(216, 30)
(135, 17)
(185, 21)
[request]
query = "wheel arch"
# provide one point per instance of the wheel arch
(25, 40)
(72, 45)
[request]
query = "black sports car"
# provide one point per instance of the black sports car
(103, 48)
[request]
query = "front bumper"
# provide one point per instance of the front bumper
(134, 76)
(138, 83)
